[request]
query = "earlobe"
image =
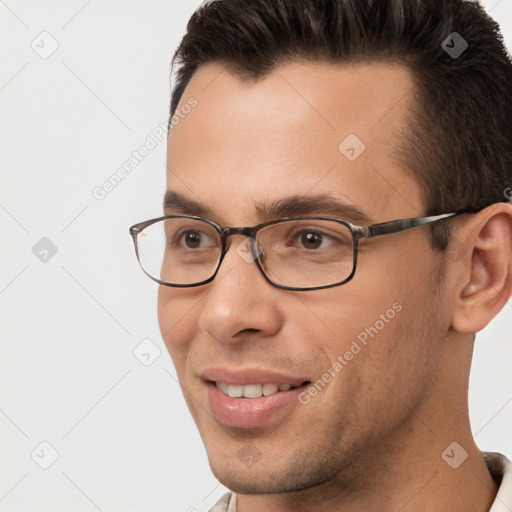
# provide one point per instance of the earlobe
(486, 278)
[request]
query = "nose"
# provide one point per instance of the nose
(240, 300)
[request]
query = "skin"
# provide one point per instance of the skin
(373, 438)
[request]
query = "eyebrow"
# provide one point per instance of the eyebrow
(176, 203)
(291, 206)
(297, 205)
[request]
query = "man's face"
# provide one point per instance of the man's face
(256, 143)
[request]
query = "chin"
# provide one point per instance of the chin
(257, 477)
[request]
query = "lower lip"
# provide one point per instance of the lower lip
(249, 412)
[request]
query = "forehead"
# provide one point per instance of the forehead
(305, 128)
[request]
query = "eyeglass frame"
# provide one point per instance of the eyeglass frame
(250, 232)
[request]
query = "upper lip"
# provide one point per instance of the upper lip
(247, 376)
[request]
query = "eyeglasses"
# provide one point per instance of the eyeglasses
(299, 253)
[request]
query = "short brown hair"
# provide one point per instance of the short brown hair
(459, 139)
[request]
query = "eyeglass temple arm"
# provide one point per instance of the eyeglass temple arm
(395, 226)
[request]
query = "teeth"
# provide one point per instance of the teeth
(270, 389)
(252, 390)
(223, 387)
(235, 391)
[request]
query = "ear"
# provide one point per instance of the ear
(484, 272)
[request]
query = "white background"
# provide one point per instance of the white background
(68, 375)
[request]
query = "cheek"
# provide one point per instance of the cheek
(384, 381)
(176, 319)
(400, 361)
(384, 339)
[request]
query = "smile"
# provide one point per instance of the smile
(252, 390)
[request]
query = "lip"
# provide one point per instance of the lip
(251, 412)
(246, 376)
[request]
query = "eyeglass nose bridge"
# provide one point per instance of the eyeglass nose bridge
(250, 235)
(245, 231)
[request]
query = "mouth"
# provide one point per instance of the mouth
(255, 390)
(251, 399)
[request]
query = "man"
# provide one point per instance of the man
(324, 123)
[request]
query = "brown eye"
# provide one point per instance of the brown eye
(311, 240)
(192, 239)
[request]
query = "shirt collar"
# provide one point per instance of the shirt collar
(501, 471)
